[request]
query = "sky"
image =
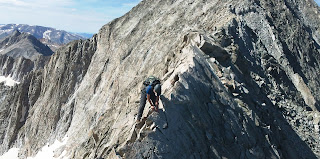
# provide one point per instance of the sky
(83, 16)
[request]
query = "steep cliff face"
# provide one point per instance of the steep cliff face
(238, 80)
(50, 88)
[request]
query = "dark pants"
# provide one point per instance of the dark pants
(143, 100)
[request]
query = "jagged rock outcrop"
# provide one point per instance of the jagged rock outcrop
(237, 80)
(21, 53)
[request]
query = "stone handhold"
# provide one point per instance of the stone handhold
(215, 51)
(316, 127)
(122, 150)
(96, 138)
(165, 125)
(293, 113)
(310, 117)
(299, 109)
(244, 90)
(309, 109)
(174, 80)
(94, 135)
(260, 83)
(113, 155)
(142, 133)
(149, 122)
(212, 59)
(257, 78)
(133, 135)
(235, 94)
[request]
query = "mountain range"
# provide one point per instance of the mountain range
(40, 32)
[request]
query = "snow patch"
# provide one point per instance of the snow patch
(46, 34)
(8, 81)
(6, 31)
(11, 154)
(48, 152)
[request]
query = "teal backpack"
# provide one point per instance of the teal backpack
(152, 80)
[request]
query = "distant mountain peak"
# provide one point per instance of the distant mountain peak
(23, 45)
(54, 35)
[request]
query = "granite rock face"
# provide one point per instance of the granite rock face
(238, 81)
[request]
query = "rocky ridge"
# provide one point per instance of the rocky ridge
(21, 53)
(238, 82)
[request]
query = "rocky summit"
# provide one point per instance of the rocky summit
(239, 80)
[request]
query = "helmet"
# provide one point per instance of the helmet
(157, 89)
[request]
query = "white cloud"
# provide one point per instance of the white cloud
(13, 2)
(36, 3)
(70, 15)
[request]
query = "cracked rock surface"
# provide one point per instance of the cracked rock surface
(238, 81)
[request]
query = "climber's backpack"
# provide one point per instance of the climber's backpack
(151, 81)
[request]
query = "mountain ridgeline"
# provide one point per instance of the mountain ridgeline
(49, 36)
(238, 81)
(55, 36)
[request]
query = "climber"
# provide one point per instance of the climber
(151, 91)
